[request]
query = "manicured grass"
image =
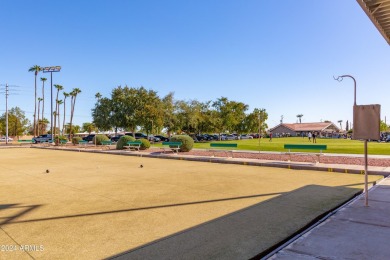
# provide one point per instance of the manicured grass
(334, 145)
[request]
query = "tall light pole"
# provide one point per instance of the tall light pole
(340, 78)
(51, 69)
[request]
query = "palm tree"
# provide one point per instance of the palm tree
(58, 87)
(59, 102)
(39, 105)
(300, 117)
(43, 96)
(340, 121)
(35, 69)
(73, 96)
(63, 122)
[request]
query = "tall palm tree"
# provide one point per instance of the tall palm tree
(36, 69)
(59, 102)
(340, 121)
(63, 122)
(300, 117)
(58, 87)
(73, 96)
(43, 96)
(39, 106)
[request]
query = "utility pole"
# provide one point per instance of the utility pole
(7, 93)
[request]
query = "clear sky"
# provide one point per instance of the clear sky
(277, 55)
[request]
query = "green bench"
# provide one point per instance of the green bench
(313, 147)
(25, 141)
(222, 145)
(83, 143)
(173, 146)
(107, 143)
(133, 145)
(63, 142)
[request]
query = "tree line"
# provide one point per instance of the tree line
(134, 109)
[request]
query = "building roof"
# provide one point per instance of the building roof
(301, 127)
(379, 13)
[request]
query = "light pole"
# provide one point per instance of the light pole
(340, 78)
(51, 69)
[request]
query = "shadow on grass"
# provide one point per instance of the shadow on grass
(252, 232)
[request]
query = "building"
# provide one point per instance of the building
(299, 129)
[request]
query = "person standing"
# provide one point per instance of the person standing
(309, 136)
(314, 137)
(270, 136)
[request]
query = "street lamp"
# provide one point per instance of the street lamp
(51, 69)
(340, 78)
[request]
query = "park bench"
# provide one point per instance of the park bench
(317, 147)
(25, 141)
(222, 145)
(133, 145)
(63, 142)
(83, 143)
(106, 144)
(173, 146)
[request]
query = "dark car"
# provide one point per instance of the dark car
(41, 139)
(88, 138)
(116, 138)
(162, 138)
(138, 135)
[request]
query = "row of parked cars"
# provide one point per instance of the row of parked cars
(223, 137)
(151, 138)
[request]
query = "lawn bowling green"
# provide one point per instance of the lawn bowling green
(91, 206)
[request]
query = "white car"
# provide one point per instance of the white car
(246, 137)
(3, 139)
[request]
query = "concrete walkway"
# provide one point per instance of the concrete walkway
(353, 232)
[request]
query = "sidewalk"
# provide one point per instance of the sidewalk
(353, 232)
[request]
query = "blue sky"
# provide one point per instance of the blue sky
(277, 55)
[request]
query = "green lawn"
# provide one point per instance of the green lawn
(334, 145)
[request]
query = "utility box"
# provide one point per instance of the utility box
(366, 122)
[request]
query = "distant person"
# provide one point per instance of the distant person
(309, 135)
(270, 137)
(314, 137)
(303, 135)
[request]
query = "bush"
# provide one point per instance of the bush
(97, 139)
(145, 144)
(187, 142)
(75, 140)
(123, 141)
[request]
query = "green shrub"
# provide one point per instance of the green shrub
(145, 144)
(97, 139)
(187, 142)
(58, 138)
(76, 139)
(123, 141)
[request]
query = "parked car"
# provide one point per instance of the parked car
(3, 139)
(41, 139)
(246, 136)
(230, 137)
(388, 139)
(153, 138)
(115, 138)
(162, 138)
(89, 138)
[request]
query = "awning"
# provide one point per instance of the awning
(379, 13)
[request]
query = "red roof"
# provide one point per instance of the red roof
(298, 127)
